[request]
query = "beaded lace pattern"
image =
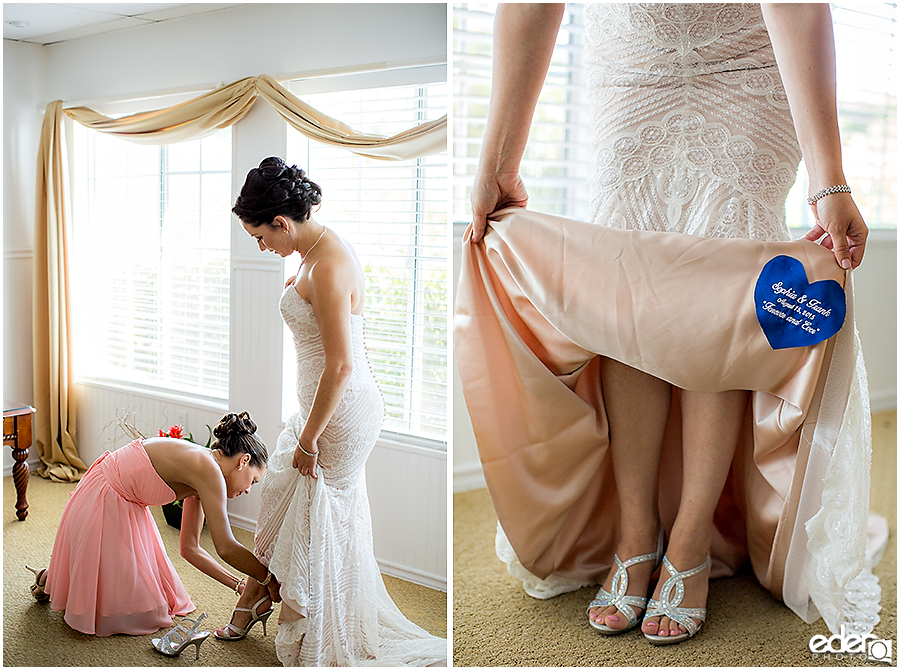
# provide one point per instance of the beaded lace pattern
(691, 127)
(691, 132)
(316, 535)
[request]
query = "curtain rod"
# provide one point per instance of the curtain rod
(308, 74)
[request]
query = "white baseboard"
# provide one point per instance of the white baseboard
(242, 522)
(399, 571)
(416, 577)
(468, 477)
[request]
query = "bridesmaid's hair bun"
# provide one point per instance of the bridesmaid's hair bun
(236, 434)
(235, 424)
(276, 189)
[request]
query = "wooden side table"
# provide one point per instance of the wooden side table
(17, 434)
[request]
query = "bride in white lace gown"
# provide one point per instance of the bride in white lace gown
(314, 530)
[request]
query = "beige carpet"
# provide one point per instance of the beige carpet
(495, 623)
(35, 635)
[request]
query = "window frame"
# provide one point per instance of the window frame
(433, 73)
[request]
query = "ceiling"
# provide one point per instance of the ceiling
(47, 23)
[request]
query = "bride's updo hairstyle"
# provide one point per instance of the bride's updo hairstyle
(236, 434)
(274, 189)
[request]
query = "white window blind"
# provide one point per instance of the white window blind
(395, 215)
(865, 41)
(151, 265)
(555, 165)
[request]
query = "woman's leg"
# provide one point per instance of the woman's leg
(637, 408)
(253, 591)
(710, 426)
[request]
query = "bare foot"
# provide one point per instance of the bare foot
(696, 590)
(638, 583)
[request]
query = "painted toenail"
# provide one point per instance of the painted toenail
(612, 617)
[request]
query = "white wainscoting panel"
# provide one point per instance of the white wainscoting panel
(408, 495)
(99, 404)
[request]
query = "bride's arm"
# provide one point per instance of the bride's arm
(192, 552)
(524, 38)
(803, 39)
(330, 296)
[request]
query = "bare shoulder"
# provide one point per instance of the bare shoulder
(337, 276)
(183, 465)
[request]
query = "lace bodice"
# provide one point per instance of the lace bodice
(358, 417)
(691, 129)
(301, 320)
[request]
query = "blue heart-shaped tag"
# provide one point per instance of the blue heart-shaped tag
(791, 311)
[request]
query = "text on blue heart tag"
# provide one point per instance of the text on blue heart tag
(791, 311)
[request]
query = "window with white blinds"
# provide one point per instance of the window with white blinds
(151, 265)
(555, 167)
(395, 215)
(865, 42)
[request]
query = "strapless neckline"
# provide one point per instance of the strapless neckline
(308, 304)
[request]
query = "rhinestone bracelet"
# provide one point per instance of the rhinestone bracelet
(843, 188)
(308, 453)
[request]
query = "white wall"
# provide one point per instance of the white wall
(875, 291)
(193, 53)
(245, 41)
(24, 70)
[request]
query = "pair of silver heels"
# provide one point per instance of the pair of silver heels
(670, 596)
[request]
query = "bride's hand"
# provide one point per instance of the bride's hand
(494, 192)
(305, 463)
(839, 220)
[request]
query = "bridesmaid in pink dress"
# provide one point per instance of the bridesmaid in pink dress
(109, 570)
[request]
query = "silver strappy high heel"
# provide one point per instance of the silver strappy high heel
(667, 605)
(179, 637)
(618, 599)
(241, 633)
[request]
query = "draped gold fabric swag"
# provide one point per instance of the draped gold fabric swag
(54, 393)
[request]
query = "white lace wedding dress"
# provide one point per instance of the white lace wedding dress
(316, 535)
(692, 133)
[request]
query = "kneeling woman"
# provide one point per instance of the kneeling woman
(109, 570)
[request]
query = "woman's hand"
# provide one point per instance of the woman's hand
(524, 38)
(803, 39)
(840, 221)
(303, 462)
(494, 192)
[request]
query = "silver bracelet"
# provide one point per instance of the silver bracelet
(300, 447)
(237, 586)
(841, 188)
